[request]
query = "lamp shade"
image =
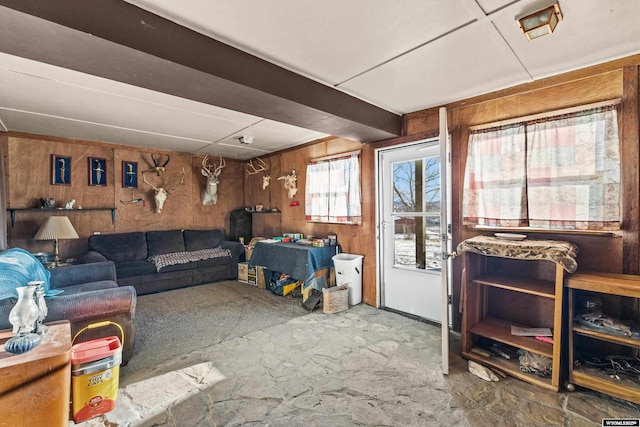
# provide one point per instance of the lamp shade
(56, 227)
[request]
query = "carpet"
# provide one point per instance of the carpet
(174, 323)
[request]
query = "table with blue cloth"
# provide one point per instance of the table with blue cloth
(295, 259)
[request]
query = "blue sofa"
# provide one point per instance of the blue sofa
(195, 257)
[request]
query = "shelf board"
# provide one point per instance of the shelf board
(616, 339)
(511, 368)
(274, 213)
(542, 288)
(608, 283)
(599, 381)
(12, 211)
(500, 330)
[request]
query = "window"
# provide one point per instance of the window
(332, 191)
(560, 172)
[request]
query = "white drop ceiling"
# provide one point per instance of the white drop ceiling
(401, 56)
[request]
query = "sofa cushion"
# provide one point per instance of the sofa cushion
(213, 261)
(196, 240)
(165, 242)
(134, 268)
(121, 246)
(179, 267)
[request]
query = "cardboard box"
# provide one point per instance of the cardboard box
(262, 281)
(243, 272)
(252, 276)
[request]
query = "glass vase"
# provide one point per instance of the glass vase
(23, 317)
(42, 306)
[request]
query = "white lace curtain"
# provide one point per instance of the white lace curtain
(557, 173)
(332, 192)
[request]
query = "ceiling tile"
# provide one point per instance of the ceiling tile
(234, 150)
(403, 56)
(55, 126)
(329, 40)
(591, 32)
(469, 62)
(490, 6)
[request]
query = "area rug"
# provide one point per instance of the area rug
(175, 323)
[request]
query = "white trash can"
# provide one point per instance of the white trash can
(349, 272)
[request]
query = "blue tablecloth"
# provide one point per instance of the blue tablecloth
(299, 261)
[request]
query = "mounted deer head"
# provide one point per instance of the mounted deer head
(159, 169)
(262, 167)
(290, 184)
(209, 194)
(160, 194)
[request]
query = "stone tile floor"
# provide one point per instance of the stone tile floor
(360, 367)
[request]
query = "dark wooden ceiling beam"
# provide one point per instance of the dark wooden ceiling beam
(119, 41)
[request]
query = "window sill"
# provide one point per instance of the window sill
(542, 231)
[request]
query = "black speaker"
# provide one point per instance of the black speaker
(240, 225)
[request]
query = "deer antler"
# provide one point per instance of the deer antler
(261, 168)
(159, 169)
(180, 183)
(205, 166)
(155, 162)
(146, 182)
(219, 168)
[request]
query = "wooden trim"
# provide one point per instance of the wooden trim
(298, 147)
(404, 125)
(549, 82)
(630, 154)
(430, 134)
(405, 139)
(335, 156)
(545, 115)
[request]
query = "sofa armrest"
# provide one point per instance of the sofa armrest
(236, 248)
(93, 256)
(82, 273)
(114, 304)
(87, 306)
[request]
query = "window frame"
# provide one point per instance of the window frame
(308, 184)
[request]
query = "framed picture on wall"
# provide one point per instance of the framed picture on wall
(129, 174)
(97, 171)
(60, 170)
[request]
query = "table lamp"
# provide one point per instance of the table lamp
(54, 228)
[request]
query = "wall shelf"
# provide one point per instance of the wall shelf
(274, 213)
(12, 211)
(611, 288)
(512, 289)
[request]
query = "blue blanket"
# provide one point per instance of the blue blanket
(299, 261)
(17, 268)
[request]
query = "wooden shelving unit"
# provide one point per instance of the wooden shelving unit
(12, 211)
(502, 292)
(609, 287)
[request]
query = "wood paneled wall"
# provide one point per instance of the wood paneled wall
(355, 239)
(28, 172)
(618, 80)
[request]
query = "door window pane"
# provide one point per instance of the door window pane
(416, 190)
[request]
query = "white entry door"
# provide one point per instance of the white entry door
(411, 190)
